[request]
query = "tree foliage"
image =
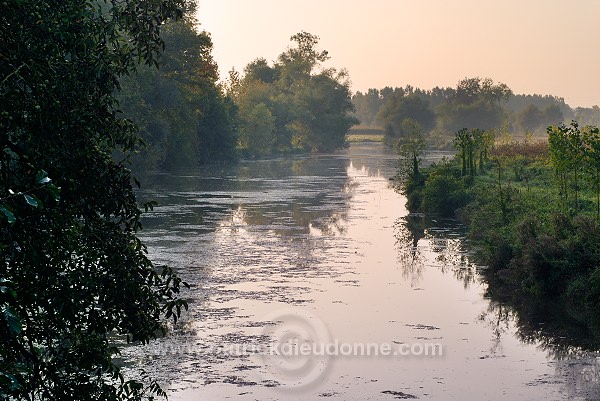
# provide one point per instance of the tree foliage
(256, 132)
(474, 146)
(533, 119)
(476, 103)
(575, 155)
(400, 108)
(310, 106)
(73, 274)
(367, 106)
(588, 116)
(184, 117)
(411, 148)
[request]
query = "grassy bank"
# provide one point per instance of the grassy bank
(354, 138)
(532, 212)
(360, 133)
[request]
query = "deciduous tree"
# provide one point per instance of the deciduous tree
(311, 109)
(73, 274)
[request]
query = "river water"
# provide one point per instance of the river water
(310, 281)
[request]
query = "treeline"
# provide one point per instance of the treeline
(475, 102)
(533, 209)
(187, 118)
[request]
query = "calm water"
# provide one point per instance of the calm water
(318, 254)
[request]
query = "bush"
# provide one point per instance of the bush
(413, 190)
(444, 191)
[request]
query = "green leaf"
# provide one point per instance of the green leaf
(42, 177)
(5, 288)
(54, 192)
(12, 319)
(9, 152)
(31, 201)
(8, 214)
(9, 381)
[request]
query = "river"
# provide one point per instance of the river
(308, 280)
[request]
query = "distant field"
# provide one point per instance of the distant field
(364, 138)
(361, 133)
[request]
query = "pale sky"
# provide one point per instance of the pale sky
(549, 47)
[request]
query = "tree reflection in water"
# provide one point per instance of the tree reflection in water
(571, 339)
(408, 231)
(418, 236)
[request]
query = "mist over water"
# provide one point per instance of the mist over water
(317, 253)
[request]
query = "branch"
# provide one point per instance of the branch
(12, 73)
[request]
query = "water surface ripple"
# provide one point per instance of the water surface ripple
(322, 246)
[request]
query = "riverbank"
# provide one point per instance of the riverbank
(534, 226)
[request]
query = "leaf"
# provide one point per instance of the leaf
(149, 206)
(9, 381)
(42, 177)
(8, 214)
(12, 319)
(54, 191)
(31, 201)
(5, 289)
(10, 152)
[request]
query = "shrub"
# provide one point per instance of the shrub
(445, 191)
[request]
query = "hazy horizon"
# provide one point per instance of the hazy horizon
(547, 47)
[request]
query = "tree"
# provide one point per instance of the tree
(475, 103)
(400, 107)
(304, 56)
(311, 109)
(471, 90)
(462, 143)
(367, 107)
(411, 148)
(251, 93)
(256, 135)
(591, 139)
(530, 118)
(474, 146)
(323, 112)
(486, 143)
(187, 119)
(566, 144)
(260, 70)
(73, 274)
(588, 116)
(553, 115)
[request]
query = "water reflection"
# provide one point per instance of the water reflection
(419, 236)
(275, 195)
(569, 338)
(246, 236)
(552, 326)
(565, 339)
(408, 231)
(326, 236)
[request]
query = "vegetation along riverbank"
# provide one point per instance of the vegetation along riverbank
(532, 209)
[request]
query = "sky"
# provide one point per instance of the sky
(548, 47)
